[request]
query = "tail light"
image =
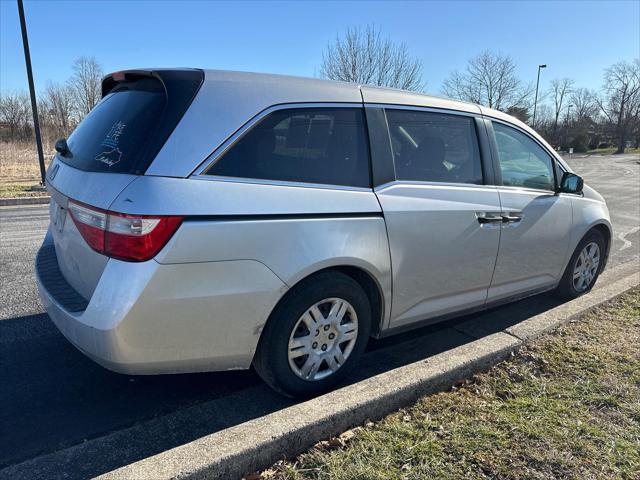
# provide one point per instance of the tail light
(127, 237)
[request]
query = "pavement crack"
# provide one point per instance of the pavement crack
(522, 340)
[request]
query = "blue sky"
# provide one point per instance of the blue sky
(575, 39)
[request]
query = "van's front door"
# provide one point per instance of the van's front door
(443, 223)
(535, 235)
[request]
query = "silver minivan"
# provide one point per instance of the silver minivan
(213, 220)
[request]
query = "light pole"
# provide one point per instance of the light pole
(535, 102)
(32, 92)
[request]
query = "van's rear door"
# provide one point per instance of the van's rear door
(115, 143)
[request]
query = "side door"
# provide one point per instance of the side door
(441, 211)
(536, 230)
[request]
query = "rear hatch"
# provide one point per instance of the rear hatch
(109, 149)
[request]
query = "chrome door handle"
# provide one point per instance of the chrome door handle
(489, 217)
(511, 217)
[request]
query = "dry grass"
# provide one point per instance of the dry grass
(611, 151)
(567, 406)
(19, 169)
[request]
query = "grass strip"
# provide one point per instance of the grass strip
(566, 406)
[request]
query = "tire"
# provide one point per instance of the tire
(568, 288)
(287, 335)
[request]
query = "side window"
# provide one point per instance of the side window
(434, 147)
(523, 163)
(313, 145)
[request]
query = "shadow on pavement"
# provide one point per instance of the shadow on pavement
(54, 397)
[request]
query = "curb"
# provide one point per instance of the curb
(256, 444)
(5, 202)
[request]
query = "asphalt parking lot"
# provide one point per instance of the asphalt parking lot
(53, 397)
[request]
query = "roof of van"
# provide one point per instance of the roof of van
(298, 89)
(229, 99)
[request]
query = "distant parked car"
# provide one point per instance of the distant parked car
(211, 220)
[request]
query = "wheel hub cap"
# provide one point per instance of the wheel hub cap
(586, 267)
(322, 339)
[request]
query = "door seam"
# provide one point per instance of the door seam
(495, 263)
(386, 229)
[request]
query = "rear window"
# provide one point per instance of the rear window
(127, 128)
(111, 138)
(311, 145)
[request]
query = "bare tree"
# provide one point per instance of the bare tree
(363, 56)
(85, 83)
(45, 118)
(59, 102)
(14, 112)
(521, 113)
(584, 103)
(544, 119)
(559, 91)
(634, 130)
(621, 99)
(489, 79)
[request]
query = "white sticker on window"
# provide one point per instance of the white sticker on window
(113, 155)
(110, 157)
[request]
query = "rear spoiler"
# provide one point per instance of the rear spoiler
(186, 79)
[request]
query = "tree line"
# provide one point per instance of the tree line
(567, 115)
(61, 106)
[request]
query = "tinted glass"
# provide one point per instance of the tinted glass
(559, 170)
(112, 138)
(434, 147)
(523, 163)
(315, 145)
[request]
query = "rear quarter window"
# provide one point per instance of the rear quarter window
(310, 145)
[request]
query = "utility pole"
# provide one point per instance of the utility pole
(535, 102)
(32, 91)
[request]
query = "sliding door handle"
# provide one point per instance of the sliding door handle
(511, 217)
(489, 217)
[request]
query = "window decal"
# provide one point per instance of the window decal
(110, 157)
(114, 155)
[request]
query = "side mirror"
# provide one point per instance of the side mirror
(571, 183)
(61, 147)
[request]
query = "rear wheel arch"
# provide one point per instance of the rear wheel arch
(328, 284)
(373, 290)
(364, 278)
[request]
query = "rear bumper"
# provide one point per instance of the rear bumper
(148, 318)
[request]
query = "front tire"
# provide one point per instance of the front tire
(315, 335)
(584, 268)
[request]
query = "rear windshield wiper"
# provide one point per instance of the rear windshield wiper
(62, 148)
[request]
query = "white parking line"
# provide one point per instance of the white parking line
(622, 236)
